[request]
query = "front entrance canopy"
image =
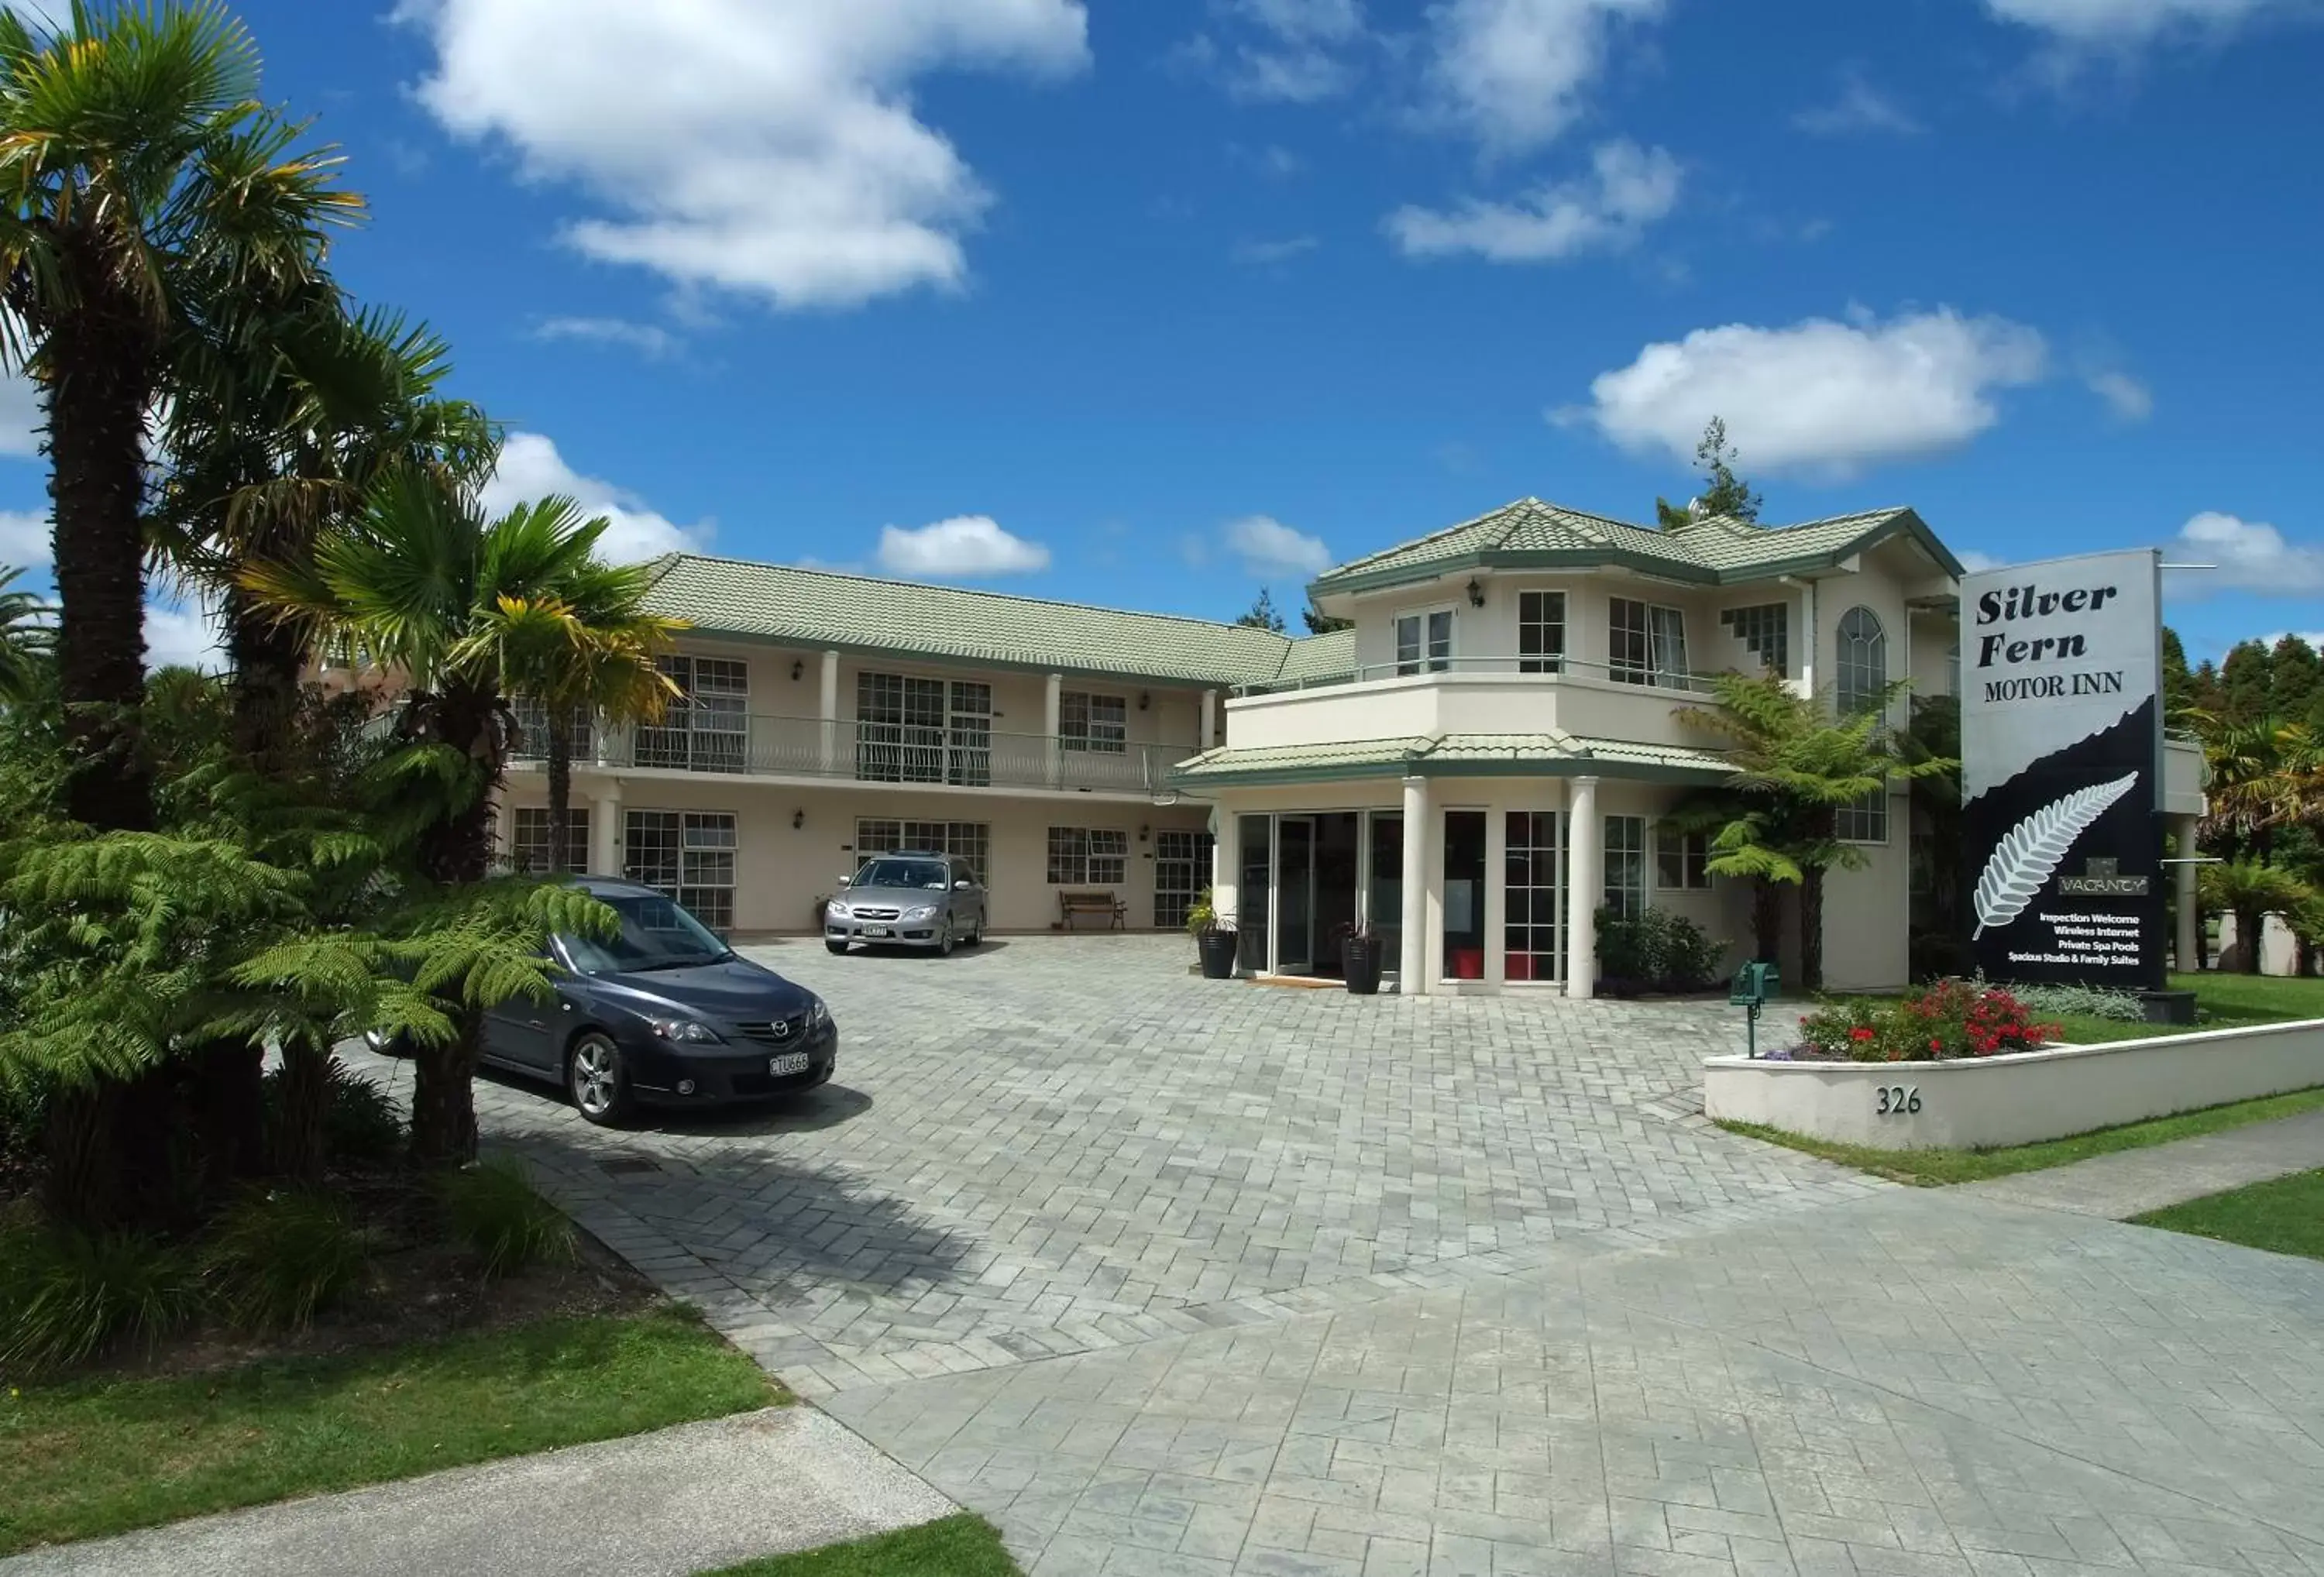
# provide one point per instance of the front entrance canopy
(1550, 755)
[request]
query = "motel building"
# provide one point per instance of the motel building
(1471, 770)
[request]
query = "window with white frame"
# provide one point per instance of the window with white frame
(1541, 632)
(529, 839)
(1645, 644)
(1182, 868)
(1424, 641)
(1088, 722)
(1682, 861)
(1082, 856)
(915, 730)
(1533, 896)
(706, 723)
(688, 856)
(1764, 631)
(970, 841)
(1625, 864)
(1863, 666)
(1865, 821)
(532, 732)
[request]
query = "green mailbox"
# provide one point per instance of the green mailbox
(1753, 986)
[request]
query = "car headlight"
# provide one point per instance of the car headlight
(838, 911)
(926, 911)
(685, 1030)
(818, 1014)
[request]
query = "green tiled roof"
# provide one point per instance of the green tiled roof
(1530, 534)
(1544, 754)
(856, 613)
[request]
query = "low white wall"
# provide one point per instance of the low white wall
(2022, 1098)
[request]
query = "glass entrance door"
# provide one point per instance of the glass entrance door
(1295, 895)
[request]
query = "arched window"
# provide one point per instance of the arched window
(1863, 661)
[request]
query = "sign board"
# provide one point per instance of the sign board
(2062, 764)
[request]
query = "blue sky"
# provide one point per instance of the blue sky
(1151, 302)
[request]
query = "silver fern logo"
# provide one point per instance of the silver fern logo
(2024, 860)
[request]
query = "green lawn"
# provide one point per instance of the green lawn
(959, 1546)
(1935, 1167)
(2284, 1217)
(94, 1457)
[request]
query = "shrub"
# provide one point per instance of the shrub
(66, 1295)
(496, 1212)
(1655, 950)
(274, 1261)
(362, 1122)
(2086, 1001)
(1950, 1020)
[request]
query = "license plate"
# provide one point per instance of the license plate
(878, 931)
(790, 1061)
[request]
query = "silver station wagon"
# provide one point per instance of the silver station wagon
(908, 900)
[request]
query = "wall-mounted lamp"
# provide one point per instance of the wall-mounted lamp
(1143, 700)
(799, 669)
(1476, 594)
(799, 819)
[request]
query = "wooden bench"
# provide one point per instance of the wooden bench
(1098, 906)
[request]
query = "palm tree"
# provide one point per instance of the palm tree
(423, 586)
(1797, 769)
(134, 159)
(2250, 893)
(25, 638)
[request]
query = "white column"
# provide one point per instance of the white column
(1583, 878)
(1497, 869)
(1052, 711)
(605, 832)
(2186, 875)
(1209, 737)
(827, 708)
(1412, 956)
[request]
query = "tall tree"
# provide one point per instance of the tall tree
(133, 153)
(2246, 682)
(2178, 678)
(1723, 492)
(1320, 622)
(2294, 680)
(422, 586)
(1261, 614)
(25, 637)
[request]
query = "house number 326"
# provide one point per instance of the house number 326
(1895, 1099)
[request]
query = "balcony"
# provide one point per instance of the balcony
(1637, 677)
(733, 744)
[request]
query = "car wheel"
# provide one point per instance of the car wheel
(596, 1080)
(944, 939)
(831, 946)
(976, 933)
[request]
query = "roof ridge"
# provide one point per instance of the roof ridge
(970, 590)
(1432, 536)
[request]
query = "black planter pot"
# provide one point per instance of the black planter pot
(1360, 961)
(1218, 951)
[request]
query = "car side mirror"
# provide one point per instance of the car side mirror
(962, 885)
(846, 880)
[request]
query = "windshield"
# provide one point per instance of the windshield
(902, 873)
(656, 934)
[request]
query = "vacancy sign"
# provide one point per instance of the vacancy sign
(2061, 760)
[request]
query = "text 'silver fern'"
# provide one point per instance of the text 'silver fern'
(2022, 862)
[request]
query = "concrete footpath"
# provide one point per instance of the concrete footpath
(2130, 1183)
(692, 1499)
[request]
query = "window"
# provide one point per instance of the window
(688, 856)
(1625, 864)
(1541, 632)
(1645, 644)
(1424, 641)
(1764, 629)
(1088, 856)
(1863, 679)
(1182, 868)
(1683, 861)
(529, 842)
(969, 842)
(706, 726)
(911, 730)
(1533, 896)
(1464, 895)
(1865, 821)
(532, 732)
(1092, 723)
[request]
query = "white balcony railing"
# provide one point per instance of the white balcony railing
(735, 744)
(1646, 677)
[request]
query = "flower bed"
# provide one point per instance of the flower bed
(1949, 1021)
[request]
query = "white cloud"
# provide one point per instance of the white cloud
(180, 636)
(530, 467)
(2251, 556)
(1512, 73)
(1977, 563)
(1821, 396)
(26, 541)
(1860, 108)
(1268, 546)
(20, 416)
(1297, 51)
(1268, 252)
(964, 546)
(2125, 395)
(2117, 22)
(771, 149)
(1628, 188)
(649, 340)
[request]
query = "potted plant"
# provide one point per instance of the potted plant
(1214, 937)
(1359, 959)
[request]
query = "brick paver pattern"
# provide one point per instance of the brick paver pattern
(1173, 1276)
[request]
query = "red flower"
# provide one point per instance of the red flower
(1859, 1033)
(1936, 1046)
